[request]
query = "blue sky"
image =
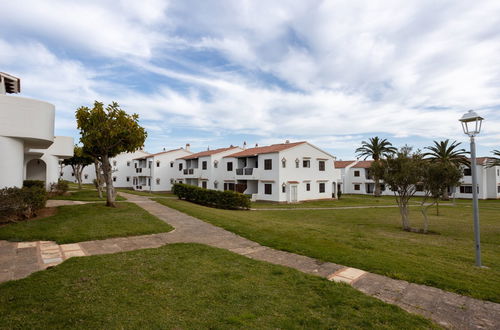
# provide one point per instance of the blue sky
(215, 73)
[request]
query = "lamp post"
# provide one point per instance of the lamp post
(471, 124)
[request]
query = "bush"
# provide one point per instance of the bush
(33, 183)
(220, 199)
(21, 203)
(59, 188)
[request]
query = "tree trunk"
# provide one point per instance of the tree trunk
(437, 207)
(108, 177)
(98, 179)
(424, 213)
(378, 191)
(446, 196)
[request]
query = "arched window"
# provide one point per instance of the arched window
(297, 162)
(283, 162)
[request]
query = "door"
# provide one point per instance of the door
(293, 193)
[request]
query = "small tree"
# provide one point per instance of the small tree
(78, 162)
(494, 161)
(107, 132)
(437, 177)
(402, 172)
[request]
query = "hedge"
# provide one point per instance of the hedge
(21, 203)
(33, 183)
(220, 199)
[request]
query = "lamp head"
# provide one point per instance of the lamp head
(471, 123)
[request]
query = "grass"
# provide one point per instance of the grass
(77, 223)
(85, 195)
(146, 193)
(371, 239)
(189, 286)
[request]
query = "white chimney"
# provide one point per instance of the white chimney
(256, 145)
(187, 146)
(244, 145)
(287, 141)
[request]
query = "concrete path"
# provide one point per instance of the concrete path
(450, 310)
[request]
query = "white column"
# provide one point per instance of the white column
(11, 162)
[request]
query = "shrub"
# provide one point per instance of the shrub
(33, 183)
(220, 199)
(58, 188)
(21, 203)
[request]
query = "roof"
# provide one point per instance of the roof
(158, 153)
(207, 153)
(481, 160)
(363, 164)
(12, 84)
(343, 163)
(265, 150)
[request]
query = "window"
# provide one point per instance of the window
(172, 180)
(216, 185)
(216, 163)
(321, 165)
(268, 189)
(114, 162)
(150, 164)
(283, 162)
(128, 163)
(419, 187)
(308, 187)
(158, 164)
(128, 179)
(229, 166)
(135, 181)
(466, 189)
(72, 173)
(149, 181)
(498, 189)
(61, 174)
(180, 166)
(357, 187)
(283, 188)
(268, 164)
(297, 162)
(114, 179)
(229, 186)
(86, 176)
(382, 187)
(171, 164)
(356, 173)
(467, 171)
(306, 163)
(204, 184)
(321, 187)
(204, 165)
(157, 180)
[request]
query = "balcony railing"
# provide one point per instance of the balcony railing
(185, 171)
(244, 171)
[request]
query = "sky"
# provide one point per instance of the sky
(215, 73)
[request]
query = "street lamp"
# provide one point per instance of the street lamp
(471, 124)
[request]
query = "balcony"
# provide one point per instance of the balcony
(247, 171)
(143, 171)
(191, 172)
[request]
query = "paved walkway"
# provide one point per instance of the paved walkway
(18, 260)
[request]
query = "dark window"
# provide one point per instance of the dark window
(128, 163)
(268, 189)
(114, 179)
(321, 187)
(157, 164)
(268, 164)
(128, 179)
(297, 162)
(498, 189)
(86, 176)
(216, 164)
(356, 173)
(149, 164)
(180, 166)
(204, 184)
(467, 171)
(382, 187)
(321, 165)
(308, 186)
(283, 188)
(216, 185)
(114, 163)
(419, 187)
(466, 189)
(306, 163)
(171, 164)
(73, 174)
(357, 187)
(229, 186)
(157, 180)
(230, 166)
(204, 165)
(283, 162)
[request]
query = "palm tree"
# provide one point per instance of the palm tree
(495, 161)
(447, 153)
(376, 149)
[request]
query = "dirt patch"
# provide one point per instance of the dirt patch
(44, 213)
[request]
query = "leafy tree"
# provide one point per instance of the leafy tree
(106, 132)
(376, 149)
(402, 172)
(437, 177)
(447, 153)
(495, 161)
(78, 162)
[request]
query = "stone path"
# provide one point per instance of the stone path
(451, 310)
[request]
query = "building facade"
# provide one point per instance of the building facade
(27, 141)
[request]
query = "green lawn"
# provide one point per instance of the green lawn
(189, 286)
(371, 239)
(145, 193)
(78, 223)
(84, 195)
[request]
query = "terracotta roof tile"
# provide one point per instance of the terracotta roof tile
(343, 163)
(265, 150)
(363, 164)
(207, 153)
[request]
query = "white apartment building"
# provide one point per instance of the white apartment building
(27, 141)
(357, 179)
(156, 172)
(204, 169)
(122, 165)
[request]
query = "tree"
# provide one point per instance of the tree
(402, 172)
(78, 162)
(495, 161)
(106, 132)
(376, 149)
(437, 177)
(447, 153)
